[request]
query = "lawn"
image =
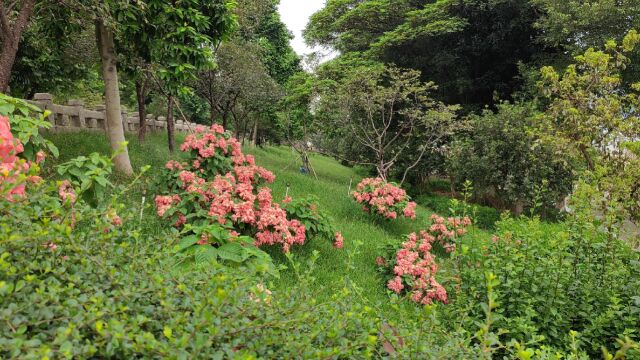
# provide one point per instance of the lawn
(364, 236)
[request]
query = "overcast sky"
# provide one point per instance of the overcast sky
(296, 13)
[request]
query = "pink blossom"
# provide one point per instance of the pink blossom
(339, 241)
(385, 199)
(66, 192)
(40, 156)
(395, 284)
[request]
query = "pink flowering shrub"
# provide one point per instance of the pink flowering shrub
(14, 172)
(218, 184)
(384, 199)
(316, 222)
(446, 231)
(411, 269)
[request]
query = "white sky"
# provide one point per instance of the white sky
(295, 14)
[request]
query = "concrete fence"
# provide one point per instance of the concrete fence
(75, 117)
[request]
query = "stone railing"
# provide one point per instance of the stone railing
(75, 117)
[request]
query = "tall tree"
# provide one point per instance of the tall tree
(172, 41)
(578, 24)
(115, 130)
(386, 112)
(470, 48)
(13, 21)
(238, 85)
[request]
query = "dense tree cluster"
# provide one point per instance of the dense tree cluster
(523, 132)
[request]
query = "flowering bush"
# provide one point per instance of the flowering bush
(15, 173)
(383, 198)
(412, 268)
(26, 121)
(64, 294)
(219, 184)
(316, 222)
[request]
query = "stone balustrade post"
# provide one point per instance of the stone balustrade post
(78, 106)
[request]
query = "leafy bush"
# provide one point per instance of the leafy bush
(507, 163)
(484, 217)
(555, 279)
(26, 121)
(220, 185)
(317, 223)
(385, 199)
(411, 268)
(88, 174)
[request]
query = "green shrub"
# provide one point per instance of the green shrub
(26, 121)
(555, 278)
(483, 217)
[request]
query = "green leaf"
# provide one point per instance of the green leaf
(185, 243)
(233, 252)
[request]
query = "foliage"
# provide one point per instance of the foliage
(239, 86)
(507, 163)
(555, 279)
(591, 115)
(26, 120)
(317, 222)
(56, 53)
(384, 112)
(470, 48)
(576, 24)
(411, 268)
(89, 175)
(385, 199)
(231, 249)
(220, 185)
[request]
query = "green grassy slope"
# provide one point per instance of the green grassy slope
(331, 188)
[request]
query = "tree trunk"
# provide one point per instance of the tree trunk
(10, 38)
(170, 130)
(7, 58)
(115, 130)
(254, 135)
(587, 157)
(225, 119)
(142, 111)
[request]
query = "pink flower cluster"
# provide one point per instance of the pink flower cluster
(446, 231)
(339, 241)
(229, 196)
(415, 270)
(413, 265)
(384, 199)
(66, 192)
(12, 185)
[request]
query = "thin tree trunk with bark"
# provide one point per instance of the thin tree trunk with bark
(142, 111)
(115, 131)
(254, 135)
(170, 129)
(10, 37)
